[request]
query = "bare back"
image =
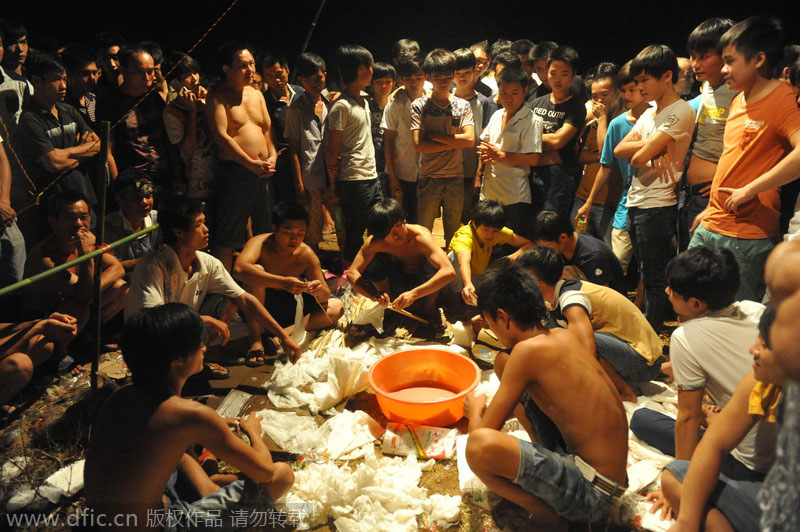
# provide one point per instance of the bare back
(247, 119)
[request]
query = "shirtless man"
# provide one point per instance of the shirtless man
(240, 126)
(70, 291)
(143, 431)
(406, 256)
(278, 266)
(546, 382)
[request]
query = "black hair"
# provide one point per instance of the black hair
(408, 65)
(511, 288)
(63, 198)
(791, 53)
(439, 60)
(182, 64)
(708, 274)
(403, 47)
(707, 34)
(308, 64)
(13, 31)
(541, 51)
(286, 211)
(76, 57)
(155, 51)
(604, 70)
(177, 213)
(129, 178)
(765, 322)
(546, 263)
(269, 58)
(349, 58)
(625, 77)
(383, 216)
(155, 337)
(794, 74)
(127, 52)
(105, 40)
(41, 64)
(229, 50)
(499, 46)
(550, 225)
(464, 58)
(564, 54)
(757, 34)
(655, 60)
(483, 45)
(507, 59)
(490, 213)
(522, 47)
(383, 70)
(513, 74)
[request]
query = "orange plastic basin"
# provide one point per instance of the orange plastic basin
(424, 386)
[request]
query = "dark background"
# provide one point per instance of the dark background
(600, 31)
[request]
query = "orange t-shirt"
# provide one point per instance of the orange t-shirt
(755, 140)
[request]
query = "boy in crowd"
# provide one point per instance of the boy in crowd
(16, 51)
(133, 191)
(242, 131)
(575, 468)
(712, 107)
(596, 260)
(563, 114)
(763, 124)
(471, 248)
(278, 267)
(656, 147)
(80, 63)
(402, 160)
(139, 439)
(482, 61)
(13, 93)
(510, 145)
(605, 321)
(179, 272)
(384, 77)
(708, 354)
(350, 154)
(405, 257)
(306, 124)
(441, 126)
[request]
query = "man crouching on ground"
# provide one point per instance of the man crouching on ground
(575, 469)
(143, 431)
(403, 254)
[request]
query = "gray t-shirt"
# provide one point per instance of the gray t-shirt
(355, 148)
(715, 103)
(428, 117)
(397, 117)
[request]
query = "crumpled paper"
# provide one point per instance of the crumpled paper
(378, 494)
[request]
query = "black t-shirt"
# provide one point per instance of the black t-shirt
(554, 116)
(597, 262)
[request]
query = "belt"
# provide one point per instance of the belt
(602, 483)
(694, 190)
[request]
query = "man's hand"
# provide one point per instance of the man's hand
(293, 285)
(217, 328)
(7, 214)
(383, 299)
(251, 425)
(738, 197)
(698, 219)
(474, 406)
(489, 152)
(83, 241)
(260, 168)
(315, 288)
(291, 348)
(584, 212)
(59, 327)
(468, 295)
(660, 503)
(403, 300)
(706, 191)
(598, 108)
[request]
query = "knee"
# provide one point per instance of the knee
(479, 448)
(283, 477)
(335, 308)
(17, 368)
(638, 421)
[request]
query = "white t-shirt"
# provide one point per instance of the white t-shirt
(159, 278)
(653, 185)
(712, 353)
(355, 148)
(397, 117)
(508, 183)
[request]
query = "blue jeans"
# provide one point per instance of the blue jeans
(652, 231)
(602, 216)
(692, 205)
(630, 365)
(736, 499)
(555, 186)
(445, 191)
(356, 199)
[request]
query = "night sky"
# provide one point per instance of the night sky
(598, 32)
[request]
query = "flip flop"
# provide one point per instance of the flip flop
(255, 358)
(213, 372)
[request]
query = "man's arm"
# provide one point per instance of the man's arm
(294, 164)
(444, 273)
(317, 286)
(255, 311)
(59, 159)
(687, 426)
(359, 264)
(390, 137)
(423, 145)
(112, 272)
(629, 145)
(512, 385)
(332, 157)
(521, 243)
(267, 130)
(465, 139)
(578, 323)
(7, 213)
(559, 139)
(491, 152)
(651, 149)
(464, 259)
(600, 180)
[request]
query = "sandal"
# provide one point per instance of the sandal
(213, 372)
(255, 358)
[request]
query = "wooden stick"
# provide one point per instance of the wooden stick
(408, 314)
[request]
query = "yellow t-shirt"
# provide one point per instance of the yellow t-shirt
(764, 399)
(465, 239)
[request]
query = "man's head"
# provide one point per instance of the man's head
(498, 47)
(274, 71)
(794, 79)
(628, 87)
(183, 223)
(383, 79)
(482, 58)
(185, 70)
(656, 69)
(68, 213)
(15, 42)
(411, 75)
(386, 220)
(766, 365)
(137, 68)
(355, 65)
(702, 279)
(440, 67)
(510, 301)
(791, 54)
(107, 46)
(512, 86)
(404, 47)
(522, 48)
(80, 62)
(311, 73)
(237, 63)
(155, 51)
(704, 52)
(488, 218)
(685, 80)
(538, 57)
(561, 64)
(290, 223)
(465, 68)
(133, 190)
(504, 60)
(48, 77)
(162, 343)
(604, 82)
(546, 264)
(751, 49)
(552, 229)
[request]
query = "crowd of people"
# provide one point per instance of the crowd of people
(673, 178)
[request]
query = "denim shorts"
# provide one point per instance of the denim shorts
(630, 365)
(554, 478)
